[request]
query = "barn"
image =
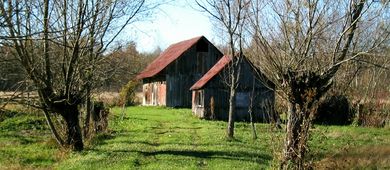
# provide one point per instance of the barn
(210, 94)
(167, 80)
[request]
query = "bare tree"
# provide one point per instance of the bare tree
(250, 110)
(301, 45)
(231, 16)
(60, 45)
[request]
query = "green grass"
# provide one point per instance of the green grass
(164, 138)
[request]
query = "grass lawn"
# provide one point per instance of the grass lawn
(164, 138)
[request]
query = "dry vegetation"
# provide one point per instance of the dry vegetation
(363, 157)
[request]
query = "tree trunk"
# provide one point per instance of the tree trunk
(88, 113)
(74, 138)
(250, 111)
(292, 151)
(232, 104)
(252, 125)
(53, 129)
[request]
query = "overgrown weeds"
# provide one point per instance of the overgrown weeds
(372, 114)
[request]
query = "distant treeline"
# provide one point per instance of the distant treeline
(123, 61)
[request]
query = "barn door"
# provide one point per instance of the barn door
(199, 98)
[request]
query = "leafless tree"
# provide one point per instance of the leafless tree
(250, 110)
(231, 16)
(60, 46)
(301, 45)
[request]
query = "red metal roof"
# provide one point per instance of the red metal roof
(211, 73)
(168, 56)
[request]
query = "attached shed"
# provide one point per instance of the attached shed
(210, 95)
(166, 81)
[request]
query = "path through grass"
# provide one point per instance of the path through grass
(161, 138)
(164, 138)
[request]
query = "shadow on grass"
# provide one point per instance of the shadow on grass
(228, 155)
(22, 139)
(258, 158)
(209, 154)
(119, 118)
(128, 139)
(39, 161)
(153, 144)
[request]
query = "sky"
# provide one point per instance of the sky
(171, 23)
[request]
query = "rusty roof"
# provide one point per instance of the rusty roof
(212, 72)
(173, 52)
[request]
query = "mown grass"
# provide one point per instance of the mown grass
(164, 138)
(24, 142)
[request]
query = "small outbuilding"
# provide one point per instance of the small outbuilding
(167, 80)
(255, 93)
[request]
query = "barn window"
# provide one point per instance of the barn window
(202, 46)
(199, 100)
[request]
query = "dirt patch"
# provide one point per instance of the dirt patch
(367, 157)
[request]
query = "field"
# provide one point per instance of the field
(164, 138)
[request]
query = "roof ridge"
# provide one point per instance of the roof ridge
(169, 55)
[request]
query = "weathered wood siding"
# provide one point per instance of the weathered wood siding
(186, 70)
(154, 93)
(216, 98)
(180, 75)
(198, 103)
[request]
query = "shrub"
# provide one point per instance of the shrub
(110, 99)
(334, 110)
(127, 93)
(371, 114)
(4, 114)
(100, 117)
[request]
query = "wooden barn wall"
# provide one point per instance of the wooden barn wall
(263, 99)
(185, 71)
(197, 109)
(220, 99)
(154, 94)
(154, 91)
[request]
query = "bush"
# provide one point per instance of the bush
(334, 110)
(372, 114)
(4, 114)
(127, 93)
(110, 99)
(100, 117)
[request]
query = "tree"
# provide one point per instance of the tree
(60, 45)
(301, 45)
(231, 16)
(11, 75)
(122, 65)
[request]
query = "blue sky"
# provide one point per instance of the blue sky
(172, 23)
